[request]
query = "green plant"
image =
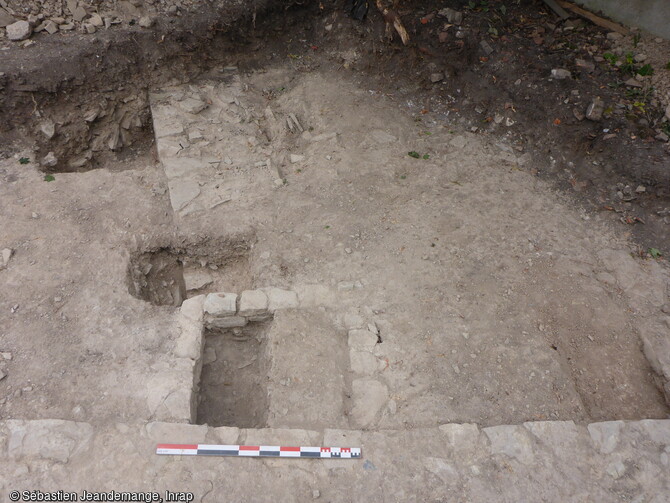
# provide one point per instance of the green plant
(636, 39)
(655, 252)
(24, 160)
(610, 58)
(414, 154)
(646, 70)
(426, 156)
(667, 65)
(49, 178)
(665, 127)
(628, 66)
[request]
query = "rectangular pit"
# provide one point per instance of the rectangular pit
(233, 385)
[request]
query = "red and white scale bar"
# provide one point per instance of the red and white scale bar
(273, 451)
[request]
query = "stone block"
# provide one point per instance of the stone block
(363, 362)
(281, 299)
(192, 308)
(362, 340)
(51, 439)
(370, 397)
(512, 441)
(606, 435)
(221, 304)
(253, 303)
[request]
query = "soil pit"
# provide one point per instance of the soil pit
(233, 387)
(167, 276)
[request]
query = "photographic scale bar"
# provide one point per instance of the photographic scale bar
(270, 451)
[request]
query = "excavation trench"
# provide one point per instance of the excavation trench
(355, 183)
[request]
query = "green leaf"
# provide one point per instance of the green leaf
(611, 58)
(667, 66)
(24, 160)
(426, 156)
(49, 178)
(655, 252)
(646, 70)
(402, 177)
(327, 227)
(413, 154)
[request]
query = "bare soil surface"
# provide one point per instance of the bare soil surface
(493, 262)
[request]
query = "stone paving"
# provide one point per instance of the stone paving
(538, 461)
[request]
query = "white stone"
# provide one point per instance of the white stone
(166, 128)
(6, 256)
(182, 192)
(51, 27)
(370, 397)
(616, 469)
(560, 73)
(48, 129)
(221, 304)
(253, 303)
(352, 321)
(18, 31)
(363, 362)
(96, 20)
(51, 439)
(50, 160)
(192, 105)
(146, 22)
(512, 441)
(362, 340)
(606, 435)
(192, 308)
(281, 299)
(190, 341)
(295, 158)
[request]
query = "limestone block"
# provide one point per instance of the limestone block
(192, 308)
(281, 299)
(51, 439)
(363, 362)
(606, 435)
(253, 303)
(362, 340)
(221, 304)
(512, 441)
(370, 397)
